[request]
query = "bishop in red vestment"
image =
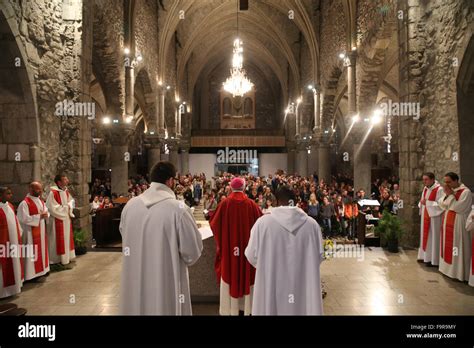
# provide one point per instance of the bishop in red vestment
(231, 225)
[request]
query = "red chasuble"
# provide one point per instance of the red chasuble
(36, 233)
(231, 225)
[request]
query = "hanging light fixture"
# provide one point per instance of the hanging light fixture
(238, 83)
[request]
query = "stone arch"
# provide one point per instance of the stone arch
(465, 105)
(20, 159)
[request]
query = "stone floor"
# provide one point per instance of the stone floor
(375, 283)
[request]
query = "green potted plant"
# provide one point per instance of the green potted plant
(80, 242)
(390, 229)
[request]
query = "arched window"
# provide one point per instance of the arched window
(227, 106)
(248, 107)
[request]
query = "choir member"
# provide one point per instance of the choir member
(430, 213)
(32, 214)
(61, 236)
(231, 224)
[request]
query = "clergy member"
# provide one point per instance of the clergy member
(11, 264)
(430, 220)
(61, 237)
(160, 240)
(456, 248)
(231, 225)
(32, 214)
(470, 229)
(286, 249)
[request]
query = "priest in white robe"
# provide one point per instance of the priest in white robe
(286, 249)
(470, 230)
(60, 231)
(456, 247)
(160, 240)
(430, 213)
(32, 214)
(11, 265)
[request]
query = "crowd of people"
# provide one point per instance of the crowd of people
(334, 205)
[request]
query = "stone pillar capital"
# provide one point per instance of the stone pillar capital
(118, 134)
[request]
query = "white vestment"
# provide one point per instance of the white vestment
(160, 240)
(430, 252)
(61, 214)
(27, 222)
(455, 260)
(286, 249)
(7, 250)
(470, 229)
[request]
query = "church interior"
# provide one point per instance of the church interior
(358, 95)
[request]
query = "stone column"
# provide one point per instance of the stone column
(154, 152)
(185, 160)
(119, 158)
(173, 154)
(351, 83)
(302, 160)
(313, 159)
(161, 111)
(362, 167)
(129, 90)
(324, 162)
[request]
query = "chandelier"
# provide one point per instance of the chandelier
(238, 83)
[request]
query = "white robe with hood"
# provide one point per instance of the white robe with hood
(160, 240)
(286, 249)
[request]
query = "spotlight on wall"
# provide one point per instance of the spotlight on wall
(106, 120)
(177, 99)
(299, 100)
(129, 119)
(355, 118)
(126, 50)
(160, 83)
(139, 58)
(376, 118)
(168, 87)
(115, 121)
(310, 87)
(342, 55)
(152, 133)
(354, 48)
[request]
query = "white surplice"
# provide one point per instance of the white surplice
(470, 229)
(60, 212)
(460, 265)
(431, 253)
(160, 240)
(11, 250)
(28, 221)
(286, 249)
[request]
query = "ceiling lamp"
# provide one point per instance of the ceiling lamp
(238, 83)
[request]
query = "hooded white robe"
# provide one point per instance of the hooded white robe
(460, 265)
(286, 249)
(431, 254)
(160, 240)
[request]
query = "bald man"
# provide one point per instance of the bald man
(32, 214)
